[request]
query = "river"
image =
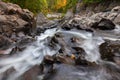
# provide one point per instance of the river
(34, 55)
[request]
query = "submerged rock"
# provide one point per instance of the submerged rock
(71, 72)
(110, 51)
(33, 73)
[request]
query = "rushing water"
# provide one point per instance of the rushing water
(34, 54)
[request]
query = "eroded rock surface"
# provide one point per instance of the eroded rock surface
(15, 23)
(107, 20)
(110, 51)
(104, 24)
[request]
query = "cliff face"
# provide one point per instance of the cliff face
(107, 5)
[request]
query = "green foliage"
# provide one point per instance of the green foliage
(91, 1)
(35, 6)
(45, 6)
(71, 3)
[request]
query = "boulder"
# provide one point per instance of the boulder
(104, 24)
(15, 17)
(33, 73)
(110, 51)
(112, 16)
(117, 19)
(116, 9)
(41, 19)
(80, 57)
(13, 21)
(5, 42)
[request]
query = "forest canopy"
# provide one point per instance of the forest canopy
(46, 6)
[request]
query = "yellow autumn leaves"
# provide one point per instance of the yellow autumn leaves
(60, 3)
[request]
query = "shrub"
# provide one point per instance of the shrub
(91, 1)
(45, 6)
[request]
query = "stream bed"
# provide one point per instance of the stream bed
(13, 67)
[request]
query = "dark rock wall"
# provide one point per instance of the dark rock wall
(96, 7)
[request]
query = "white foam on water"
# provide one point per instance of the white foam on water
(34, 54)
(90, 44)
(31, 56)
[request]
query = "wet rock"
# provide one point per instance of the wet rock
(20, 21)
(27, 15)
(41, 19)
(17, 49)
(69, 14)
(6, 73)
(66, 27)
(41, 27)
(104, 24)
(116, 9)
(15, 23)
(112, 16)
(74, 40)
(54, 15)
(66, 59)
(77, 23)
(117, 60)
(5, 42)
(48, 59)
(24, 41)
(62, 42)
(102, 20)
(7, 51)
(21, 34)
(33, 73)
(43, 23)
(69, 52)
(80, 57)
(3, 5)
(59, 59)
(110, 51)
(117, 19)
(2, 18)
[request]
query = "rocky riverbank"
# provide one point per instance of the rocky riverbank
(16, 25)
(106, 25)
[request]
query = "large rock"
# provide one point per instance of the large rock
(116, 9)
(4, 42)
(110, 51)
(104, 24)
(13, 21)
(117, 19)
(87, 20)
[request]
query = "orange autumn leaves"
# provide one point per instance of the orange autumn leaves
(60, 4)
